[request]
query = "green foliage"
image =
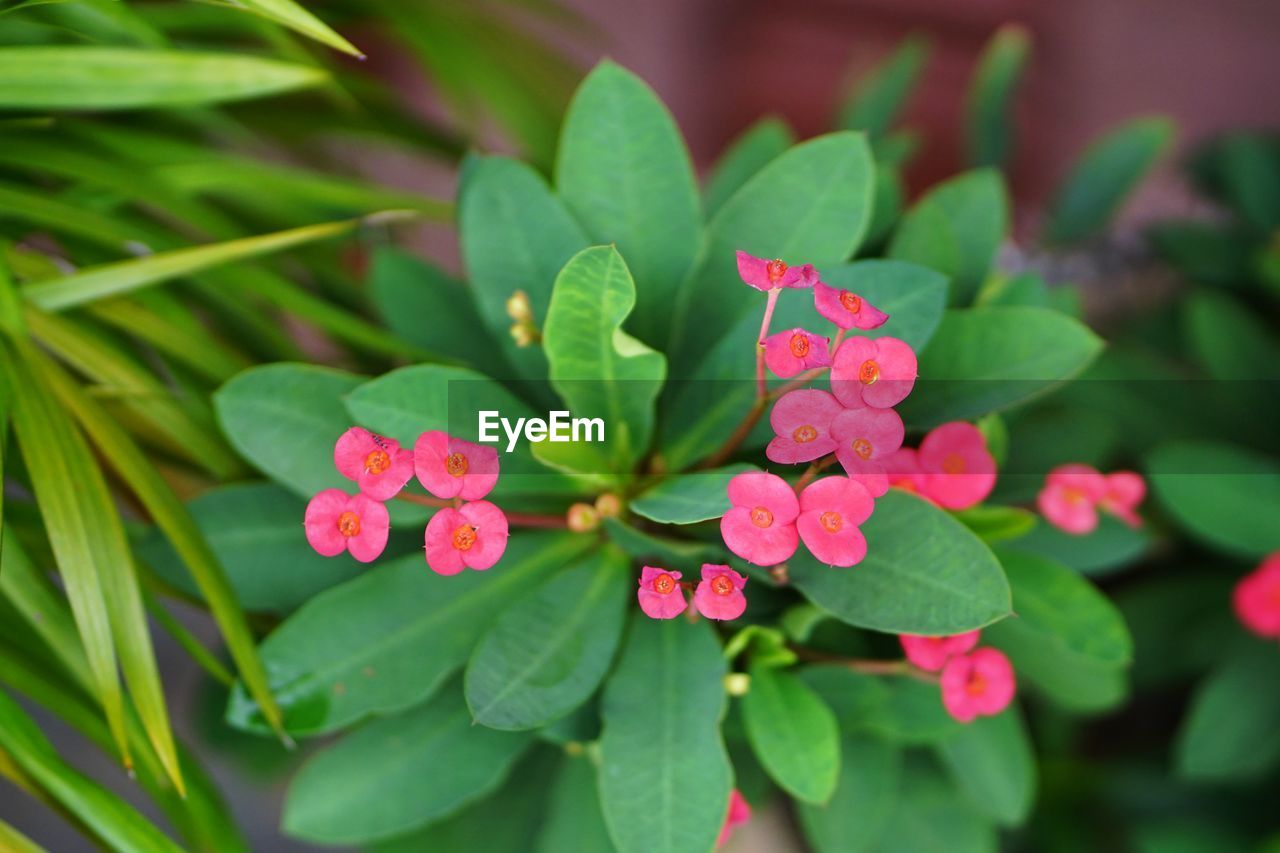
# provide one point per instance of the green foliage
(1230, 729)
(881, 93)
(689, 498)
(989, 104)
(793, 733)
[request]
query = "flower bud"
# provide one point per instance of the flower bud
(583, 518)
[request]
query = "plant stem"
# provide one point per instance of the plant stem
(812, 471)
(762, 381)
(868, 666)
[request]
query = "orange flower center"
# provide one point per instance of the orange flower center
(349, 524)
(977, 685)
(761, 517)
(377, 461)
(852, 302)
(862, 447)
(776, 269)
(869, 373)
(456, 464)
(664, 583)
(804, 434)
(831, 522)
(799, 345)
(464, 536)
(721, 585)
(1072, 495)
(953, 463)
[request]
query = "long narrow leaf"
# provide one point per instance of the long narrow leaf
(296, 18)
(16, 842)
(988, 106)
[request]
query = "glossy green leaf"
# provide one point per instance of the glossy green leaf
(549, 651)
(914, 297)
(924, 573)
(810, 205)
(989, 102)
(110, 78)
(757, 147)
(253, 531)
(1066, 638)
(879, 95)
(931, 815)
(598, 370)
(296, 18)
(956, 228)
(1024, 352)
(514, 235)
(623, 170)
(793, 733)
(93, 283)
(1230, 731)
(895, 708)
(1228, 340)
(1225, 496)
(1111, 547)
(573, 820)
(107, 816)
(864, 798)
(992, 762)
(386, 640)
(664, 773)
(372, 785)
(689, 498)
(1105, 175)
(651, 549)
(997, 523)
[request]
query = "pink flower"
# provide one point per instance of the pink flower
(378, 465)
(1070, 497)
(977, 684)
(761, 528)
(877, 373)
(787, 353)
(1123, 491)
(766, 275)
(959, 471)
(449, 467)
(830, 511)
(847, 310)
(932, 653)
(659, 593)
(719, 594)
(470, 537)
(739, 813)
(337, 522)
(802, 420)
(905, 473)
(864, 439)
(1257, 598)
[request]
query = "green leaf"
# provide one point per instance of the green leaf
(253, 531)
(411, 400)
(549, 651)
(371, 784)
(914, 297)
(689, 498)
(14, 841)
(992, 762)
(661, 550)
(514, 235)
(622, 168)
(1231, 731)
(930, 815)
(757, 147)
(1112, 546)
(598, 370)
(664, 773)
(112, 279)
(573, 820)
(1024, 352)
(1243, 170)
(956, 228)
(110, 78)
(924, 573)
(1106, 173)
(1225, 496)
(103, 813)
(1228, 340)
(387, 640)
(864, 798)
(997, 523)
(793, 733)
(296, 18)
(989, 102)
(284, 419)
(1066, 637)
(895, 708)
(810, 205)
(879, 96)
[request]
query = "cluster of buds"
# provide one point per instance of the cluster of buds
(524, 328)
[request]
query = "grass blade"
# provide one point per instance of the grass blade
(988, 107)
(290, 14)
(12, 840)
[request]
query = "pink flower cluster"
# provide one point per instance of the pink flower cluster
(472, 533)
(952, 468)
(1073, 494)
(718, 595)
(975, 682)
(1257, 599)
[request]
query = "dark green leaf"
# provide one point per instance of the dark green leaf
(793, 733)
(880, 94)
(757, 147)
(997, 523)
(931, 815)
(914, 297)
(989, 103)
(1230, 342)
(868, 788)
(689, 498)
(992, 762)
(1231, 730)
(1111, 547)
(573, 820)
